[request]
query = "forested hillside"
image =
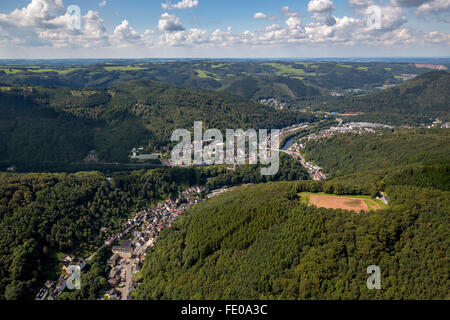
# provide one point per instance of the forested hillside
(259, 242)
(345, 154)
(414, 101)
(262, 242)
(43, 128)
(41, 214)
(266, 87)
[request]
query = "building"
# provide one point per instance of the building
(113, 260)
(62, 283)
(125, 250)
(383, 197)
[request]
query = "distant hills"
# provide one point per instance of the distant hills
(285, 80)
(55, 115)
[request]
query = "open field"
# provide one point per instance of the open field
(36, 69)
(354, 203)
(344, 65)
(59, 71)
(206, 75)
(284, 69)
(11, 70)
(124, 68)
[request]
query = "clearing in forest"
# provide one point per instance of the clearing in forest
(353, 203)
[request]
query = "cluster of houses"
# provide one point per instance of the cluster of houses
(351, 127)
(272, 102)
(91, 157)
(240, 154)
(315, 171)
(348, 92)
(138, 154)
(138, 235)
(437, 123)
(407, 76)
(291, 129)
(52, 289)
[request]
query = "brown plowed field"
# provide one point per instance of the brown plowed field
(332, 202)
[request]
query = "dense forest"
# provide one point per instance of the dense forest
(259, 242)
(412, 102)
(345, 154)
(267, 87)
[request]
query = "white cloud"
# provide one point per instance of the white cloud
(408, 3)
(344, 30)
(197, 36)
(263, 16)
(260, 15)
(387, 18)
(44, 23)
(36, 14)
(294, 22)
(322, 10)
(320, 6)
(360, 3)
(125, 31)
(173, 38)
(102, 4)
(182, 5)
(425, 8)
(169, 23)
(93, 33)
(124, 35)
(286, 11)
(436, 7)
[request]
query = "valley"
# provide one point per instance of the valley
(90, 181)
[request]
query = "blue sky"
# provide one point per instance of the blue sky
(217, 28)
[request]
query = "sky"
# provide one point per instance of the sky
(38, 29)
